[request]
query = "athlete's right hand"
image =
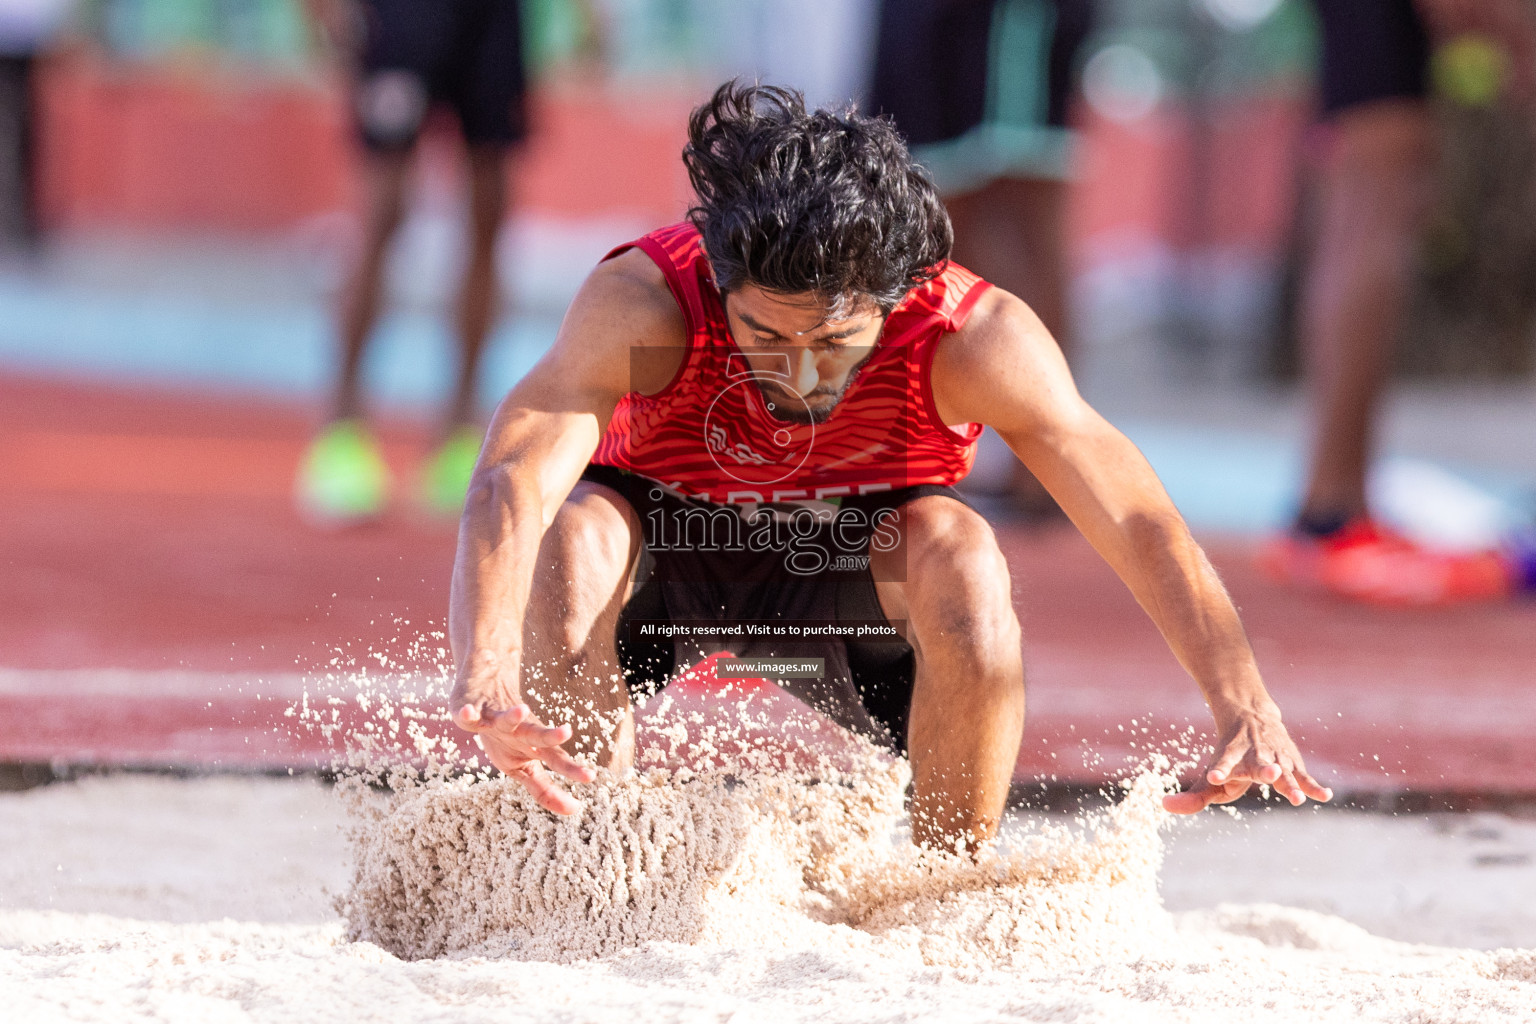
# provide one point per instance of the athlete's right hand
(526, 750)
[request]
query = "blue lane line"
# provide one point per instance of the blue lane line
(1222, 481)
(281, 352)
(1245, 483)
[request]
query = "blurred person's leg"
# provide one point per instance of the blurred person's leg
(1373, 187)
(445, 477)
(1016, 228)
(384, 178)
(480, 290)
(486, 84)
(343, 477)
(1373, 191)
(981, 89)
(18, 200)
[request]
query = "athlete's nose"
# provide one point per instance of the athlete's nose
(807, 376)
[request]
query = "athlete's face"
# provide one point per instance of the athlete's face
(802, 361)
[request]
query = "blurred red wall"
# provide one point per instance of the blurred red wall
(1138, 180)
(197, 147)
(168, 147)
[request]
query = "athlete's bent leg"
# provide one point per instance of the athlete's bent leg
(949, 582)
(570, 667)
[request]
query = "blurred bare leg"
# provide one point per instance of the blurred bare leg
(384, 177)
(1374, 193)
(1012, 232)
(481, 285)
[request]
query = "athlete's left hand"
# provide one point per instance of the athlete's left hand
(1254, 747)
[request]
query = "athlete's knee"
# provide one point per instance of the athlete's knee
(592, 536)
(583, 570)
(950, 546)
(959, 584)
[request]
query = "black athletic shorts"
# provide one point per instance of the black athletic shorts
(980, 88)
(463, 54)
(701, 568)
(1372, 50)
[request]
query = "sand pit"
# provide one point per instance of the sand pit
(143, 898)
(724, 892)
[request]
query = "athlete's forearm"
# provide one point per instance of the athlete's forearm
(498, 548)
(538, 443)
(1184, 597)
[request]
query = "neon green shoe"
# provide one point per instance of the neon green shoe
(445, 478)
(1471, 69)
(343, 478)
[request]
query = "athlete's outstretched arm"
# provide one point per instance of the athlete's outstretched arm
(539, 442)
(1003, 369)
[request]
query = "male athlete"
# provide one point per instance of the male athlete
(756, 417)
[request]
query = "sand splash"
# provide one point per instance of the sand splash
(470, 866)
(751, 816)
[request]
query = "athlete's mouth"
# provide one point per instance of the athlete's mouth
(812, 407)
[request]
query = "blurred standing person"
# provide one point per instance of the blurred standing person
(27, 29)
(1373, 184)
(410, 56)
(980, 89)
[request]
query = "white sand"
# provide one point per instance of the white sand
(134, 898)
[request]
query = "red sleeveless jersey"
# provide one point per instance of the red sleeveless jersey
(709, 435)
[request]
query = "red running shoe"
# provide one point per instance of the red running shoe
(1366, 561)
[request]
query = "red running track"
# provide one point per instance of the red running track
(160, 605)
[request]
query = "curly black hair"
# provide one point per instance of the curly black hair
(827, 201)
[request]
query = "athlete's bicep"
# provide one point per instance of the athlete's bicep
(549, 424)
(1005, 370)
